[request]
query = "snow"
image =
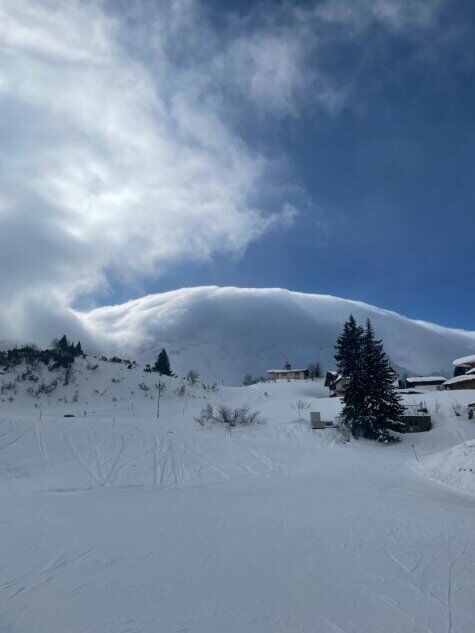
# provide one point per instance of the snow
(456, 379)
(225, 333)
(283, 371)
(422, 379)
(465, 360)
(119, 522)
(454, 467)
(414, 410)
